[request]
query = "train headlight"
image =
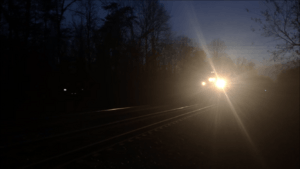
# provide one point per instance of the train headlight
(220, 83)
(211, 79)
(203, 83)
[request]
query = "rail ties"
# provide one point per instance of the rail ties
(21, 126)
(84, 151)
(92, 128)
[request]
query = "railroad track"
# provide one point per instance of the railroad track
(29, 130)
(62, 149)
(41, 120)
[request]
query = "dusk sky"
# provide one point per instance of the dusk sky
(204, 21)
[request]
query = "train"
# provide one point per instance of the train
(216, 83)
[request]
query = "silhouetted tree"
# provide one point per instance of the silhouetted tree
(152, 26)
(243, 65)
(59, 10)
(281, 20)
(220, 61)
(217, 48)
(112, 40)
(85, 28)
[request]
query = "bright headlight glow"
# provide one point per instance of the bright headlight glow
(211, 79)
(203, 83)
(220, 83)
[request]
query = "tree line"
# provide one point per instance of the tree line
(130, 57)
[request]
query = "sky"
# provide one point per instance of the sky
(204, 21)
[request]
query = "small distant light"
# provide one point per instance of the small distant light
(203, 83)
(65, 90)
(81, 89)
(74, 93)
(265, 90)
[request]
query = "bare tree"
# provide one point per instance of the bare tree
(60, 9)
(84, 29)
(222, 62)
(217, 48)
(281, 20)
(243, 65)
(152, 26)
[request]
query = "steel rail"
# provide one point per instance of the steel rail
(86, 113)
(91, 128)
(9, 122)
(70, 154)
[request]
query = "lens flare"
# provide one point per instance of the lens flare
(194, 21)
(211, 79)
(220, 83)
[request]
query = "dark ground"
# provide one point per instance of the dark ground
(255, 132)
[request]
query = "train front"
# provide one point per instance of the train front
(216, 84)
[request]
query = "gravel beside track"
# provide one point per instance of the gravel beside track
(27, 131)
(218, 138)
(188, 143)
(31, 154)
